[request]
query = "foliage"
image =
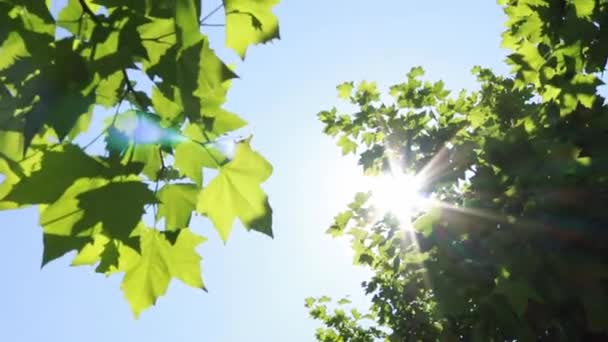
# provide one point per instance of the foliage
(514, 247)
(343, 325)
(55, 69)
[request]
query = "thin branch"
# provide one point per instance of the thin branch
(163, 167)
(122, 97)
(88, 11)
(210, 152)
(67, 21)
(202, 21)
(61, 217)
(35, 153)
(132, 90)
(158, 39)
(155, 205)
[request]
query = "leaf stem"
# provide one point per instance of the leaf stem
(132, 90)
(88, 11)
(202, 21)
(122, 97)
(162, 159)
(209, 141)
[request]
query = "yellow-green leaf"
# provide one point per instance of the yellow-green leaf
(236, 192)
(148, 277)
(250, 22)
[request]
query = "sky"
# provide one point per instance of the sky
(257, 285)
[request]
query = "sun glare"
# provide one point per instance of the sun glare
(398, 194)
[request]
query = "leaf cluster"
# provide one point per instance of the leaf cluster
(56, 69)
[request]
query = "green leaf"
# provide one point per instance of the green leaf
(148, 278)
(92, 205)
(324, 299)
(117, 206)
(518, 293)
(347, 145)
(249, 22)
(110, 258)
(264, 223)
(344, 301)
(12, 49)
(63, 93)
(91, 253)
(236, 192)
(73, 19)
(584, 8)
(10, 179)
(166, 108)
(157, 38)
(345, 89)
(178, 201)
(56, 246)
(195, 153)
(224, 122)
(150, 156)
(11, 145)
(201, 77)
(186, 23)
(424, 224)
(309, 301)
(109, 89)
(37, 188)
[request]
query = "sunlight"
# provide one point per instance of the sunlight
(398, 194)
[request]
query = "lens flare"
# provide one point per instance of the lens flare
(398, 194)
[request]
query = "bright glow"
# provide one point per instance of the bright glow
(398, 194)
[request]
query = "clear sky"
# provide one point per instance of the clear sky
(257, 285)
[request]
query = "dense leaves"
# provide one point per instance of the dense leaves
(60, 61)
(514, 244)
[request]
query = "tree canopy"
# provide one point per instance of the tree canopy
(513, 246)
(56, 67)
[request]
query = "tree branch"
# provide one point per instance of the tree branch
(132, 90)
(202, 21)
(210, 152)
(122, 97)
(88, 11)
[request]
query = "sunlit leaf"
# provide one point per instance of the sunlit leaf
(250, 22)
(178, 201)
(236, 192)
(149, 277)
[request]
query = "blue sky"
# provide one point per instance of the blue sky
(257, 285)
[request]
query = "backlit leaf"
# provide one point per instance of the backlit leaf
(178, 201)
(149, 277)
(249, 22)
(236, 192)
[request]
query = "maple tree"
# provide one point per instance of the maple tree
(513, 243)
(55, 69)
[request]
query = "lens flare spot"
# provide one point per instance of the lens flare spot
(398, 194)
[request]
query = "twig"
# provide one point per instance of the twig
(209, 151)
(163, 167)
(130, 89)
(158, 39)
(155, 205)
(122, 97)
(202, 21)
(88, 11)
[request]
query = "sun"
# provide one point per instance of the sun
(398, 194)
